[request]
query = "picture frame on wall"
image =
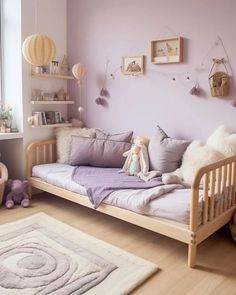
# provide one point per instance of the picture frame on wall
(167, 50)
(133, 65)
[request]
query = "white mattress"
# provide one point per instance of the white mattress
(174, 205)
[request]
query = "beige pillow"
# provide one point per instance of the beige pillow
(63, 136)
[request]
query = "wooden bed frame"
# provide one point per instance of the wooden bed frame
(218, 199)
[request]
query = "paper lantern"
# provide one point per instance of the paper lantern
(78, 70)
(38, 50)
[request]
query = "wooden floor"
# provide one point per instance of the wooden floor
(216, 270)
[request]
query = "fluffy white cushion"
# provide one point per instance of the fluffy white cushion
(63, 136)
(196, 156)
(223, 141)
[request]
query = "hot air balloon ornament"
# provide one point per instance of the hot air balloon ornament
(78, 70)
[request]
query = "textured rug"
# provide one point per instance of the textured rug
(41, 255)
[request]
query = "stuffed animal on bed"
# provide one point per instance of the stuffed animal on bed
(17, 196)
(137, 157)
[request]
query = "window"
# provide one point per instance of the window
(1, 93)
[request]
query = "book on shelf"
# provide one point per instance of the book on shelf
(48, 118)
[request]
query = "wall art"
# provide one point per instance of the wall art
(132, 65)
(167, 50)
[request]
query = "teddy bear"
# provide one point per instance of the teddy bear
(137, 157)
(17, 196)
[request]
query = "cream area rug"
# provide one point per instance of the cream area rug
(41, 255)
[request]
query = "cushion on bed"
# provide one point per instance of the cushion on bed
(165, 153)
(126, 136)
(97, 152)
(63, 136)
(222, 141)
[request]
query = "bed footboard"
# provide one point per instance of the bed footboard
(215, 185)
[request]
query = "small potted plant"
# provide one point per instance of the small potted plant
(5, 119)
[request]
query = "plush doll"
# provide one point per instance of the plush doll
(17, 196)
(137, 157)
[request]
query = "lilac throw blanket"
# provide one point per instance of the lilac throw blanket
(100, 182)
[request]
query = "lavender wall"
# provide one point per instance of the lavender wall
(100, 29)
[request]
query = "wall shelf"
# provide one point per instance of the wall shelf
(12, 135)
(53, 76)
(52, 102)
(52, 125)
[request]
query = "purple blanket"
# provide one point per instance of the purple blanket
(100, 182)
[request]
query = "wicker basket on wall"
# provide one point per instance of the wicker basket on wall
(219, 81)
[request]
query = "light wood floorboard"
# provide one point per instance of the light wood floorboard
(216, 264)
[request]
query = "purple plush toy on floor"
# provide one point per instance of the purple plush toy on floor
(17, 196)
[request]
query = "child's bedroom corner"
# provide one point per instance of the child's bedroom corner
(117, 147)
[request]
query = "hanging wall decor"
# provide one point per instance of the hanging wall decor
(167, 50)
(132, 65)
(38, 50)
(219, 81)
(78, 70)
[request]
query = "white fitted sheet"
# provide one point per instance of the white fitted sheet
(174, 205)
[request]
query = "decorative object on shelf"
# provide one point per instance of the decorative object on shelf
(31, 120)
(219, 81)
(36, 95)
(17, 196)
(78, 70)
(5, 119)
(38, 50)
(77, 123)
(61, 94)
(64, 66)
(167, 50)
(54, 67)
(132, 65)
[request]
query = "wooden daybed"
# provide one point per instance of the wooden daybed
(219, 183)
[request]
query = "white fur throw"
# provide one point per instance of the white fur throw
(219, 145)
(196, 156)
(223, 141)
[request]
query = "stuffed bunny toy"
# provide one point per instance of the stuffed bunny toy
(17, 196)
(137, 157)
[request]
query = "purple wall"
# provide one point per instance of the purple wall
(100, 29)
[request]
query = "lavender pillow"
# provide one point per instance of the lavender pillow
(97, 152)
(165, 153)
(126, 136)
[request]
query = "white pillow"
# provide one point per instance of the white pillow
(196, 156)
(223, 141)
(63, 136)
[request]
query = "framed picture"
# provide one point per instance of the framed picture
(168, 50)
(132, 65)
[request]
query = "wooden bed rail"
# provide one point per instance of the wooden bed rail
(218, 182)
(40, 152)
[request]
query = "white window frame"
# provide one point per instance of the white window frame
(1, 55)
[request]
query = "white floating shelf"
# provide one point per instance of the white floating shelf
(52, 125)
(11, 135)
(52, 102)
(53, 76)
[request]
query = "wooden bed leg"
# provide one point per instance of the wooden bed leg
(30, 191)
(192, 255)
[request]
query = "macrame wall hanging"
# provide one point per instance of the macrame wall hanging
(219, 80)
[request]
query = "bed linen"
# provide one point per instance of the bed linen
(101, 182)
(173, 205)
